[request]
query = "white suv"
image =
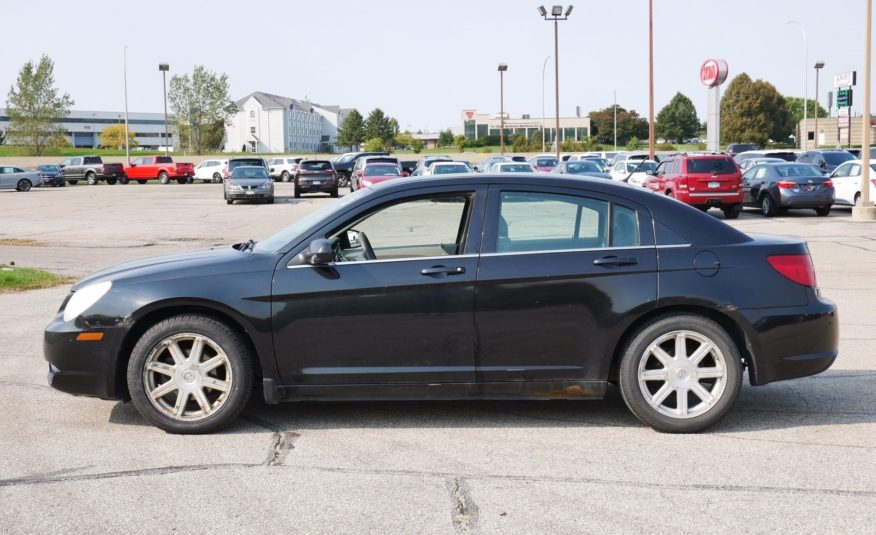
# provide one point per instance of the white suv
(211, 170)
(283, 168)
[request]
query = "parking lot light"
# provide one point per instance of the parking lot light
(818, 66)
(542, 11)
(164, 67)
(556, 16)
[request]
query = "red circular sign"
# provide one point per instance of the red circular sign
(713, 72)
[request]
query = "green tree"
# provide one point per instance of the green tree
(519, 143)
(629, 125)
(445, 138)
(352, 130)
(417, 145)
(113, 137)
(633, 143)
(374, 144)
(794, 105)
(753, 111)
(2, 137)
(197, 103)
(460, 142)
(404, 140)
(35, 107)
(379, 125)
(678, 119)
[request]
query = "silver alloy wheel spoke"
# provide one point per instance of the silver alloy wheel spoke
(179, 384)
(701, 393)
(710, 373)
(681, 401)
(654, 375)
(661, 395)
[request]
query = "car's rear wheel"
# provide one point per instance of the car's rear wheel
(334, 193)
(73, 182)
(182, 181)
(91, 178)
(733, 211)
(823, 211)
(190, 374)
(141, 181)
(163, 177)
(284, 176)
(767, 206)
(217, 178)
(23, 185)
(680, 374)
(111, 181)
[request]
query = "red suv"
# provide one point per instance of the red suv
(701, 180)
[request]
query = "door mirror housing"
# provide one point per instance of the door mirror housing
(319, 253)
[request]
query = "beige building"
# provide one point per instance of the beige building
(477, 125)
(827, 132)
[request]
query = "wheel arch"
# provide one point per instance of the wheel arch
(734, 330)
(157, 312)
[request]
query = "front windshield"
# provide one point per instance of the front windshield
(276, 242)
(347, 158)
(249, 172)
(381, 170)
(546, 162)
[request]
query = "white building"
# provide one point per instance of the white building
(268, 123)
(83, 127)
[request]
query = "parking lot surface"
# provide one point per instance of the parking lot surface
(791, 456)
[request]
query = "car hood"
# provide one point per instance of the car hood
(203, 262)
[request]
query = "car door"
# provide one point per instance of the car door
(404, 316)
(74, 168)
(562, 273)
(752, 182)
(845, 179)
(7, 177)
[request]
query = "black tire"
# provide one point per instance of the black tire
(234, 373)
(62, 183)
(823, 211)
(190, 180)
(124, 180)
(637, 356)
(217, 178)
(733, 211)
(181, 181)
(284, 176)
(269, 201)
(767, 206)
(91, 178)
(24, 185)
(334, 193)
(163, 178)
(73, 182)
(141, 181)
(229, 201)
(295, 191)
(111, 181)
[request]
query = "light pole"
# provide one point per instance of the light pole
(804, 135)
(125, 73)
(866, 211)
(818, 66)
(502, 68)
(556, 16)
(543, 68)
(164, 67)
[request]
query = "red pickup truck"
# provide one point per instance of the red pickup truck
(161, 168)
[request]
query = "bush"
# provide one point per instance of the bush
(633, 144)
(665, 146)
(374, 144)
(417, 145)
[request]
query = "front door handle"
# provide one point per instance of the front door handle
(615, 261)
(441, 271)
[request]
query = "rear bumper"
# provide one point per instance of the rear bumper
(792, 342)
(327, 186)
(83, 368)
(709, 198)
(805, 200)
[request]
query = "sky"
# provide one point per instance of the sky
(423, 62)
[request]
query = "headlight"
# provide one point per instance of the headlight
(267, 185)
(83, 299)
(234, 187)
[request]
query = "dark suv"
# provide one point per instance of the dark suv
(735, 148)
(316, 175)
(344, 166)
(826, 160)
(703, 181)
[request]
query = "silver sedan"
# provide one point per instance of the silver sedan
(18, 178)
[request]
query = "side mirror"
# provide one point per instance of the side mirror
(823, 164)
(650, 172)
(272, 169)
(319, 253)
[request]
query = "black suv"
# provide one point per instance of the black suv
(826, 160)
(344, 166)
(735, 148)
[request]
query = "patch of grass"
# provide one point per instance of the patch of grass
(17, 242)
(18, 279)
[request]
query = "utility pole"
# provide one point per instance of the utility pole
(164, 67)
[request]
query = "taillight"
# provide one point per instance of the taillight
(828, 183)
(785, 184)
(794, 267)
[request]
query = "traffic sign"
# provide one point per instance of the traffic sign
(845, 79)
(843, 112)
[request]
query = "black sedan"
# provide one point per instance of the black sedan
(581, 168)
(462, 287)
(780, 186)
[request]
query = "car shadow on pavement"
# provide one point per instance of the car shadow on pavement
(839, 397)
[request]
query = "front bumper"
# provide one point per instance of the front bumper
(83, 368)
(792, 342)
(244, 195)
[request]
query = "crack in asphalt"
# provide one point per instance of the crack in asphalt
(162, 470)
(464, 512)
(282, 442)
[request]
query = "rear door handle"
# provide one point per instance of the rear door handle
(442, 271)
(615, 261)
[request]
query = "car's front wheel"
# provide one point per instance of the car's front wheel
(190, 374)
(217, 178)
(23, 185)
(732, 211)
(680, 374)
(284, 176)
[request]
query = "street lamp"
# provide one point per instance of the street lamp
(556, 16)
(164, 67)
(502, 68)
(818, 66)
(804, 134)
(543, 67)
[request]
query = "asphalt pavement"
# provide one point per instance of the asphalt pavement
(795, 456)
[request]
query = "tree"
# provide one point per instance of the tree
(35, 107)
(794, 105)
(198, 102)
(753, 111)
(633, 144)
(379, 126)
(629, 125)
(460, 142)
(678, 119)
(113, 137)
(352, 130)
(445, 138)
(404, 140)
(417, 145)
(2, 137)
(374, 144)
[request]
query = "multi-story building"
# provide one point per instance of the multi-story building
(83, 127)
(271, 123)
(477, 125)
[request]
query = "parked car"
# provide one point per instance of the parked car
(581, 168)
(344, 166)
(634, 172)
(847, 183)
(735, 148)
(91, 169)
(786, 155)
(826, 160)
(424, 162)
(160, 168)
(612, 285)
(18, 178)
(781, 186)
(748, 163)
(234, 163)
(316, 176)
(512, 167)
(211, 170)
(283, 168)
(488, 162)
(377, 172)
(249, 183)
(543, 163)
(855, 152)
(447, 168)
(51, 175)
(408, 167)
(356, 175)
(703, 181)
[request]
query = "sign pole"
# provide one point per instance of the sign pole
(713, 73)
